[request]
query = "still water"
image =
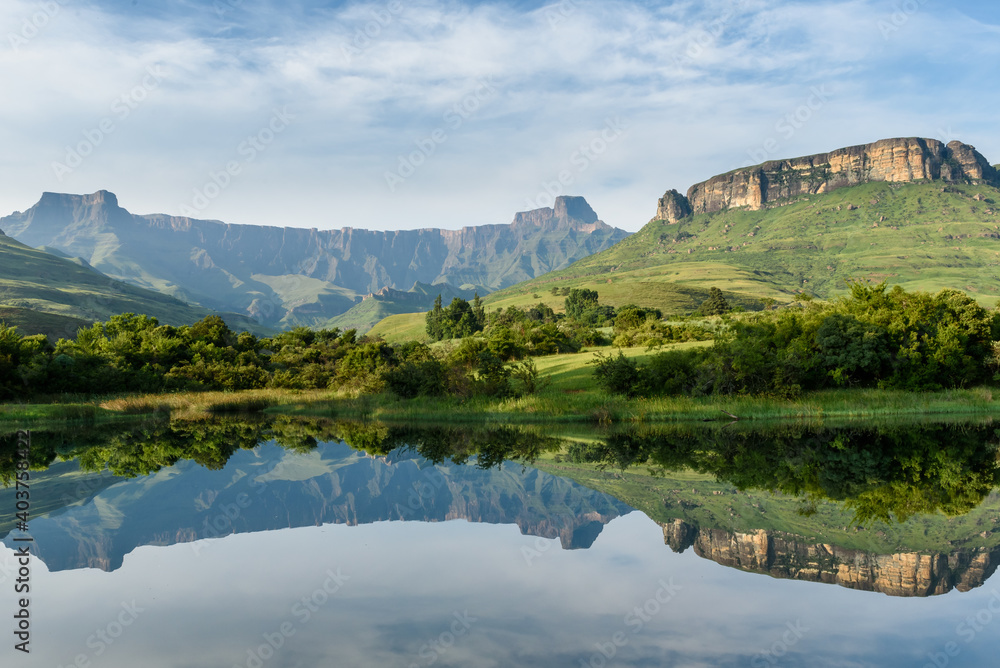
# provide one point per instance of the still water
(229, 543)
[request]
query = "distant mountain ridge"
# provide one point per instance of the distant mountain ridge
(293, 276)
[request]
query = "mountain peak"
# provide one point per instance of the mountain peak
(566, 211)
(567, 206)
(97, 199)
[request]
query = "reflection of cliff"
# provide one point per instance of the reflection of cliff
(272, 488)
(784, 556)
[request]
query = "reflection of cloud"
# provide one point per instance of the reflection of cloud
(560, 82)
(407, 580)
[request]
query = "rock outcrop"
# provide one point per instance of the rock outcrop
(892, 160)
(789, 557)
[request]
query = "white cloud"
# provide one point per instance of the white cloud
(700, 85)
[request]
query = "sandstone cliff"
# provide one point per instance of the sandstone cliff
(895, 160)
(784, 556)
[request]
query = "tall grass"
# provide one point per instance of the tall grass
(248, 401)
(599, 408)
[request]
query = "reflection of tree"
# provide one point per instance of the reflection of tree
(879, 473)
(143, 448)
(490, 446)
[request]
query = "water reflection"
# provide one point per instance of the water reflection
(188, 481)
(880, 473)
(902, 510)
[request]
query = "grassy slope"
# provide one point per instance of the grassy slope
(306, 297)
(924, 236)
(367, 314)
(401, 327)
(42, 293)
(645, 287)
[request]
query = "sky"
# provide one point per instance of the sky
(436, 113)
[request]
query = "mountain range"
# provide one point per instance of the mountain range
(915, 212)
(286, 276)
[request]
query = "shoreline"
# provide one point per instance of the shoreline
(586, 407)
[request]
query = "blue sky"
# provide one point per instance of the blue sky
(399, 115)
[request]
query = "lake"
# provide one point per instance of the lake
(281, 542)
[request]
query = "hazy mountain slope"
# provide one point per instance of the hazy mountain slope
(293, 276)
(44, 294)
(387, 302)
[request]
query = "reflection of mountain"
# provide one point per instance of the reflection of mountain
(788, 556)
(271, 488)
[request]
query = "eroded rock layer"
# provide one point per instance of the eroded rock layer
(789, 557)
(893, 160)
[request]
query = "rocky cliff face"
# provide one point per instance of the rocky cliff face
(895, 160)
(780, 556)
(273, 272)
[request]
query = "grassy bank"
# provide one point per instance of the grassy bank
(600, 408)
(568, 395)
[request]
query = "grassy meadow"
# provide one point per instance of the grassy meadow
(567, 394)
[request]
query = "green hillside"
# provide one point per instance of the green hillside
(387, 302)
(44, 294)
(925, 236)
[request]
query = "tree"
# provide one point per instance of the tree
(715, 304)
(580, 300)
(478, 312)
(434, 318)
